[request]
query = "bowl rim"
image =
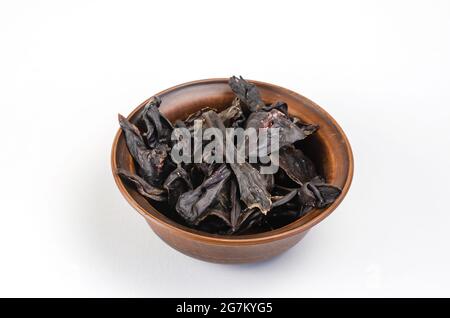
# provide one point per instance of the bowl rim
(277, 234)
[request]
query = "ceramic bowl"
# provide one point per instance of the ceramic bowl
(328, 148)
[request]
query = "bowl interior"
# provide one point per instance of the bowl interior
(328, 147)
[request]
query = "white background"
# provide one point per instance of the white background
(380, 68)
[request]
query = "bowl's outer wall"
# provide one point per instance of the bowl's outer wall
(334, 154)
(223, 253)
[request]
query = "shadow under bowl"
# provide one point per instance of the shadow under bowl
(328, 148)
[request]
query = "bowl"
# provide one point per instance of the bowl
(328, 148)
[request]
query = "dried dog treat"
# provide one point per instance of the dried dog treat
(219, 196)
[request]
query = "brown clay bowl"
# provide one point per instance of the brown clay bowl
(328, 148)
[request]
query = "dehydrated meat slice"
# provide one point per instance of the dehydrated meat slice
(177, 183)
(192, 204)
(153, 163)
(159, 128)
(252, 187)
(144, 188)
(247, 92)
(296, 165)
